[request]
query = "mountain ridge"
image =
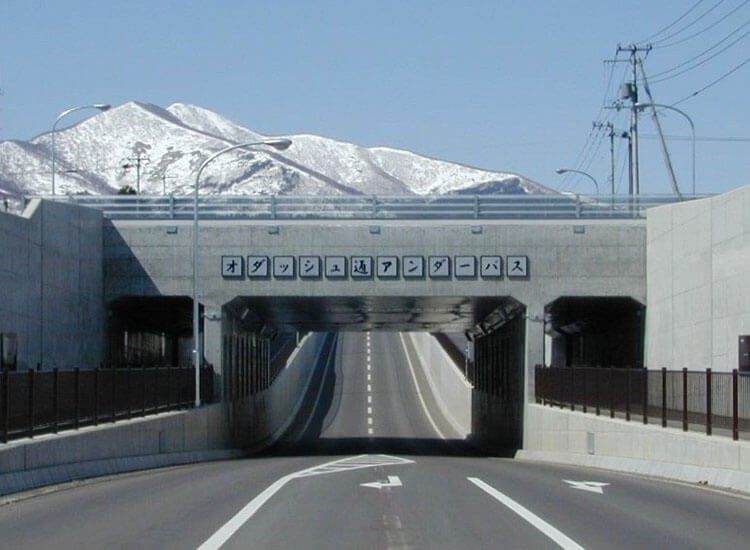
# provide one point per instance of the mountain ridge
(102, 153)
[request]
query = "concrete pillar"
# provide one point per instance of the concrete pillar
(534, 356)
(212, 331)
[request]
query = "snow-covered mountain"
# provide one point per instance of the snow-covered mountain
(100, 155)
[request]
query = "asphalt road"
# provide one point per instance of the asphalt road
(375, 467)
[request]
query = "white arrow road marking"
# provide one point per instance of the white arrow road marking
(591, 486)
(393, 481)
(216, 540)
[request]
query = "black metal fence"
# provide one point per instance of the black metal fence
(677, 398)
(34, 402)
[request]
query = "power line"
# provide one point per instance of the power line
(672, 24)
(704, 52)
(729, 139)
(700, 17)
(709, 85)
(705, 28)
(701, 62)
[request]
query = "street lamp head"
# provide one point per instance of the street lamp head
(560, 171)
(102, 106)
(280, 144)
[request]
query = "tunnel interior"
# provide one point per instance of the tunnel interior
(485, 337)
(150, 331)
(594, 331)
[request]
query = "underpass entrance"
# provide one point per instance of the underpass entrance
(150, 331)
(484, 338)
(595, 332)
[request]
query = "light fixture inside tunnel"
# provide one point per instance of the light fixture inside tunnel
(450, 314)
(496, 319)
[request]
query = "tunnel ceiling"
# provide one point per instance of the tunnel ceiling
(572, 315)
(156, 314)
(358, 313)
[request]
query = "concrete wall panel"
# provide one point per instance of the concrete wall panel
(699, 275)
(563, 436)
(51, 296)
(608, 258)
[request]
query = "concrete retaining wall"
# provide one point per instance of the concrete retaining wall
(209, 433)
(556, 435)
(260, 420)
(162, 440)
(51, 285)
(451, 390)
(698, 292)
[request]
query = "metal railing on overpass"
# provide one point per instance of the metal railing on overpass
(33, 403)
(717, 402)
(374, 207)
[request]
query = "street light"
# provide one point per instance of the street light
(100, 106)
(277, 143)
(642, 106)
(564, 170)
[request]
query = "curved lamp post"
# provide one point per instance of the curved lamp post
(642, 106)
(564, 170)
(279, 144)
(100, 106)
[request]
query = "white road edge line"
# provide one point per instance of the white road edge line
(416, 387)
(556, 535)
(221, 536)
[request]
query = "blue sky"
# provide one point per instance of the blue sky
(501, 85)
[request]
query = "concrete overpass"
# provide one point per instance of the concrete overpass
(79, 278)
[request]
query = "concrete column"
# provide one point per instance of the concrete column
(534, 356)
(212, 331)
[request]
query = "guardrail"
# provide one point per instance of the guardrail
(33, 402)
(373, 207)
(678, 398)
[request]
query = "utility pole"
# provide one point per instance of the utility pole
(136, 162)
(630, 91)
(664, 150)
(611, 135)
(164, 177)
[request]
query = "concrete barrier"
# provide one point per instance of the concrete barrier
(451, 390)
(179, 437)
(555, 435)
(172, 438)
(260, 420)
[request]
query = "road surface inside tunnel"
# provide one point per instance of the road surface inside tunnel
(371, 464)
(371, 395)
